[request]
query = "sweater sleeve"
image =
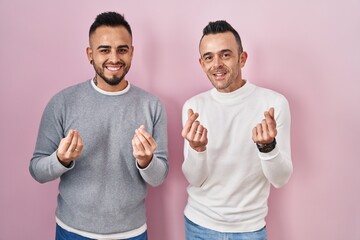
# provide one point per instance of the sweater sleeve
(156, 172)
(277, 164)
(48, 168)
(194, 167)
(44, 165)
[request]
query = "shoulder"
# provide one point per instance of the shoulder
(270, 98)
(74, 89)
(70, 93)
(145, 100)
(269, 94)
(198, 98)
(143, 94)
(267, 91)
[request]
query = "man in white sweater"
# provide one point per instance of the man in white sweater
(237, 144)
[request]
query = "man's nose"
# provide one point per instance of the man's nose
(114, 56)
(218, 61)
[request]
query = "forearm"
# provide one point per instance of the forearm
(156, 172)
(195, 167)
(277, 167)
(277, 164)
(48, 168)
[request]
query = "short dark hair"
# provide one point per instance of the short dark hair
(222, 26)
(110, 19)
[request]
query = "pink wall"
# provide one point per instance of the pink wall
(308, 50)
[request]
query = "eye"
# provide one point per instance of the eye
(105, 50)
(123, 50)
(226, 55)
(207, 58)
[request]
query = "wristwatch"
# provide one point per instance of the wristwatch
(265, 148)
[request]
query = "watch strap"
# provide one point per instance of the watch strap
(265, 148)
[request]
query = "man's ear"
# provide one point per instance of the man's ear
(89, 55)
(201, 63)
(132, 51)
(243, 58)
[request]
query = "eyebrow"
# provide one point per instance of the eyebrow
(107, 46)
(210, 53)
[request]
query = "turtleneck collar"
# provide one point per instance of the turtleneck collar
(235, 96)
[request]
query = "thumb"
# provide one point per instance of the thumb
(190, 112)
(272, 112)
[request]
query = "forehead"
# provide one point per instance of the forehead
(106, 35)
(214, 43)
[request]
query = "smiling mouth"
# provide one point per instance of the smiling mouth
(114, 68)
(219, 75)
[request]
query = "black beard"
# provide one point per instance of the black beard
(111, 81)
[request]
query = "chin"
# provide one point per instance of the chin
(113, 82)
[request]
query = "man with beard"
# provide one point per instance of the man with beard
(106, 139)
(231, 154)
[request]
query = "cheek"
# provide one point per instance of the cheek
(128, 58)
(206, 67)
(97, 59)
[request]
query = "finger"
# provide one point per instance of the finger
(272, 112)
(79, 144)
(147, 141)
(65, 142)
(269, 116)
(141, 141)
(264, 126)
(145, 134)
(272, 130)
(203, 138)
(189, 122)
(192, 132)
(74, 141)
(191, 119)
(190, 112)
(139, 146)
(198, 132)
(271, 123)
(145, 137)
(259, 132)
(134, 145)
(254, 134)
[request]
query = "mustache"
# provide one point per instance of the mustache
(120, 62)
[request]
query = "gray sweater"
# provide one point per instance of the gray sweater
(103, 191)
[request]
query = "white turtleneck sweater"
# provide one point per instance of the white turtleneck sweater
(229, 183)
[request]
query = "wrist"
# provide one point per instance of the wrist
(200, 149)
(144, 163)
(266, 148)
(66, 164)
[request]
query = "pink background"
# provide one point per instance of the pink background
(307, 50)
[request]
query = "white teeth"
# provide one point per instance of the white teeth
(113, 68)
